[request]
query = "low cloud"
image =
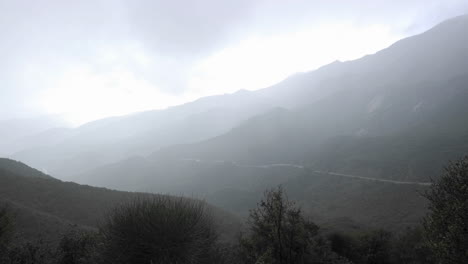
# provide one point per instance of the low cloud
(163, 47)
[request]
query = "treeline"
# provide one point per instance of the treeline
(168, 230)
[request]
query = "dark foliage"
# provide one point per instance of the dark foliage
(159, 230)
(6, 225)
(6, 230)
(375, 247)
(279, 233)
(446, 225)
(345, 245)
(163, 229)
(78, 247)
(31, 252)
(380, 246)
(411, 248)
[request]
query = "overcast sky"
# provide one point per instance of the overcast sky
(91, 59)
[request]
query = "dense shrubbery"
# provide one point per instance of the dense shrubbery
(168, 230)
(159, 230)
(79, 247)
(31, 252)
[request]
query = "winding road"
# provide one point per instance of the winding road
(296, 166)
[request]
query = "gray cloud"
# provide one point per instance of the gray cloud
(174, 35)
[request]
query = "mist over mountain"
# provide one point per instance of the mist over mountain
(397, 115)
(378, 98)
(352, 147)
(18, 134)
(397, 89)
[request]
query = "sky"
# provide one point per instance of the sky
(91, 59)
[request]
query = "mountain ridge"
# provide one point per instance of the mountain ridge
(394, 116)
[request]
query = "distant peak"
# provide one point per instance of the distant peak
(330, 65)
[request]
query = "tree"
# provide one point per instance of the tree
(279, 233)
(159, 230)
(446, 225)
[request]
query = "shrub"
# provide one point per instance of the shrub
(32, 252)
(411, 247)
(159, 230)
(78, 247)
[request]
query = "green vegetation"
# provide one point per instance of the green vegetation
(446, 225)
(159, 230)
(280, 233)
(163, 229)
(78, 247)
(49, 209)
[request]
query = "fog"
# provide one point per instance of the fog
(92, 59)
(250, 131)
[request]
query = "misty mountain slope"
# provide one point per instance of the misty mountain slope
(417, 102)
(21, 169)
(14, 132)
(238, 187)
(112, 139)
(254, 141)
(32, 224)
(46, 204)
(394, 158)
(396, 115)
(422, 122)
(438, 52)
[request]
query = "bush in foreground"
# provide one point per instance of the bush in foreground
(159, 230)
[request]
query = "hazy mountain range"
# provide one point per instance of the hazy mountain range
(397, 115)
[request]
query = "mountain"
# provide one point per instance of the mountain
(112, 139)
(45, 207)
(14, 133)
(412, 94)
(238, 187)
(363, 135)
(16, 167)
(70, 152)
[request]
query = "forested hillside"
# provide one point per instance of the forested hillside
(47, 207)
